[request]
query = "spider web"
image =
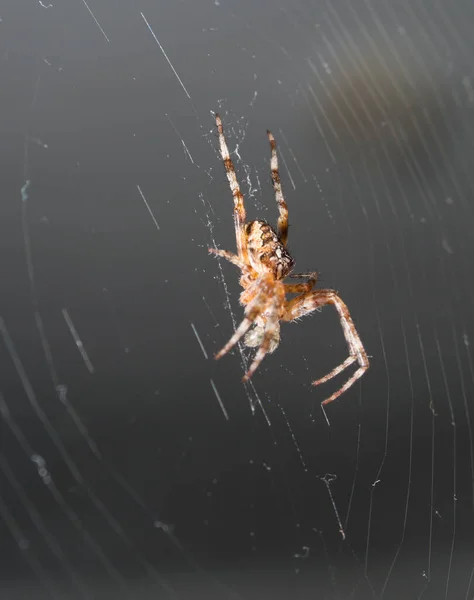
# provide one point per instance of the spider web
(132, 465)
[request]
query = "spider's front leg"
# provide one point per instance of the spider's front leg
(239, 206)
(310, 301)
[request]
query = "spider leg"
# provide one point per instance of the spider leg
(282, 207)
(301, 288)
(233, 258)
(347, 363)
(259, 356)
(272, 327)
(239, 207)
(253, 310)
(307, 303)
(312, 275)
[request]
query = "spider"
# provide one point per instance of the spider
(265, 263)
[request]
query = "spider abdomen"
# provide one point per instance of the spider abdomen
(266, 252)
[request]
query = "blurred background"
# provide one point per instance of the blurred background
(132, 464)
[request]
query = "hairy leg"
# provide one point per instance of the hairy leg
(255, 307)
(271, 335)
(239, 207)
(282, 207)
(233, 258)
(301, 288)
(306, 304)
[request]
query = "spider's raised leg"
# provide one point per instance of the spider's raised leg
(239, 206)
(282, 207)
(307, 303)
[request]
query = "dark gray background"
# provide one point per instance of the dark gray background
(120, 475)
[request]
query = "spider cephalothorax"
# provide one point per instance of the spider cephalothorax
(265, 262)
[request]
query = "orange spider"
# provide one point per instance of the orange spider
(265, 262)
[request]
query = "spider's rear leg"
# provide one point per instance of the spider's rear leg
(255, 307)
(307, 303)
(262, 351)
(271, 334)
